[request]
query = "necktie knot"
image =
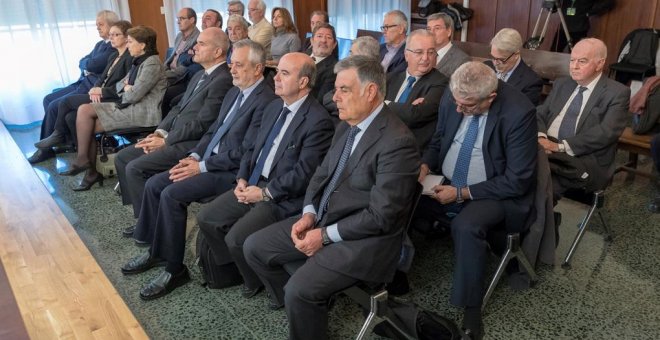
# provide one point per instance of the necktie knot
(581, 89)
(569, 122)
(406, 91)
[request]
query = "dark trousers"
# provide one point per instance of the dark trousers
(226, 224)
(306, 293)
(655, 151)
(134, 168)
(69, 106)
(162, 220)
(51, 102)
(469, 229)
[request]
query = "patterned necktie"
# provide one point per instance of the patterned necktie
(343, 159)
(265, 150)
(501, 76)
(567, 127)
(406, 91)
(224, 127)
(459, 179)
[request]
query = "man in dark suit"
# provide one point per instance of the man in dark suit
(506, 61)
(324, 40)
(450, 57)
(485, 146)
(270, 191)
(208, 171)
(414, 94)
(91, 66)
(582, 119)
(355, 207)
(185, 124)
(395, 28)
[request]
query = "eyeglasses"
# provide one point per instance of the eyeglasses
(435, 28)
(420, 53)
(467, 108)
(384, 28)
(502, 61)
(181, 18)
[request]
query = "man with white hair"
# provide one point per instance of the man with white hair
(395, 28)
(261, 30)
(582, 119)
(450, 57)
(507, 62)
(485, 146)
(237, 30)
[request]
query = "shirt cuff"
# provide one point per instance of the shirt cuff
(309, 209)
(195, 156)
(161, 133)
(567, 148)
(542, 134)
(202, 167)
(469, 193)
(333, 233)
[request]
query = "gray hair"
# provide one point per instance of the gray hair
(109, 17)
(368, 70)
(418, 32)
(322, 13)
(449, 22)
(598, 47)
(400, 18)
(239, 3)
(261, 5)
(237, 18)
(367, 46)
(256, 54)
(507, 40)
(473, 80)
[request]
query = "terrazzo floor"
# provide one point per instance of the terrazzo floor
(611, 292)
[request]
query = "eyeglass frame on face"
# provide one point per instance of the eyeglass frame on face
(386, 28)
(178, 19)
(502, 61)
(434, 28)
(419, 53)
(468, 108)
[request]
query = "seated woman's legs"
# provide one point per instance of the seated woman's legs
(87, 125)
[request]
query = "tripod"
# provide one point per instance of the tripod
(551, 6)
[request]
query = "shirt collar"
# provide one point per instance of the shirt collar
(364, 125)
(296, 105)
(210, 70)
(248, 91)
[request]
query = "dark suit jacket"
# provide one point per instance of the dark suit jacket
(196, 111)
(94, 63)
(325, 78)
(422, 118)
(601, 123)
(242, 133)
(454, 58)
(301, 150)
(398, 62)
(509, 150)
(371, 199)
(524, 79)
(108, 78)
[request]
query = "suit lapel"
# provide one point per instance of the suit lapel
(267, 123)
(453, 122)
(599, 90)
(297, 120)
(397, 80)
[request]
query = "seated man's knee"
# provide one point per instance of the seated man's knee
(463, 226)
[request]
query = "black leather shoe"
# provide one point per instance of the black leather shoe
(250, 292)
(163, 284)
(474, 334)
(88, 181)
(141, 264)
(74, 170)
(273, 304)
(140, 243)
(128, 232)
(41, 155)
(55, 138)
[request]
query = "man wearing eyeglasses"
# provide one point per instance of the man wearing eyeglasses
(485, 146)
(261, 30)
(582, 119)
(506, 61)
(395, 28)
(414, 94)
(180, 60)
(450, 57)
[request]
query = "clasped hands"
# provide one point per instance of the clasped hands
(247, 194)
(305, 237)
(548, 145)
(151, 143)
(186, 168)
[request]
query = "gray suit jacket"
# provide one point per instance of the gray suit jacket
(454, 58)
(371, 198)
(600, 125)
(197, 110)
(422, 118)
(179, 73)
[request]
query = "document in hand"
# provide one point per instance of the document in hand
(430, 181)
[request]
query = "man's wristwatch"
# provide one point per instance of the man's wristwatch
(459, 195)
(561, 147)
(324, 236)
(264, 195)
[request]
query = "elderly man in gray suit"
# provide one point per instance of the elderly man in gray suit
(183, 126)
(355, 206)
(449, 57)
(582, 119)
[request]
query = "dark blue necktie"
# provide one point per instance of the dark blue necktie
(459, 179)
(201, 80)
(224, 127)
(567, 127)
(406, 91)
(343, 159)
(265, 150)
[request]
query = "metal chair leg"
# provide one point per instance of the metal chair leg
(582, 228)
(508, 255)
